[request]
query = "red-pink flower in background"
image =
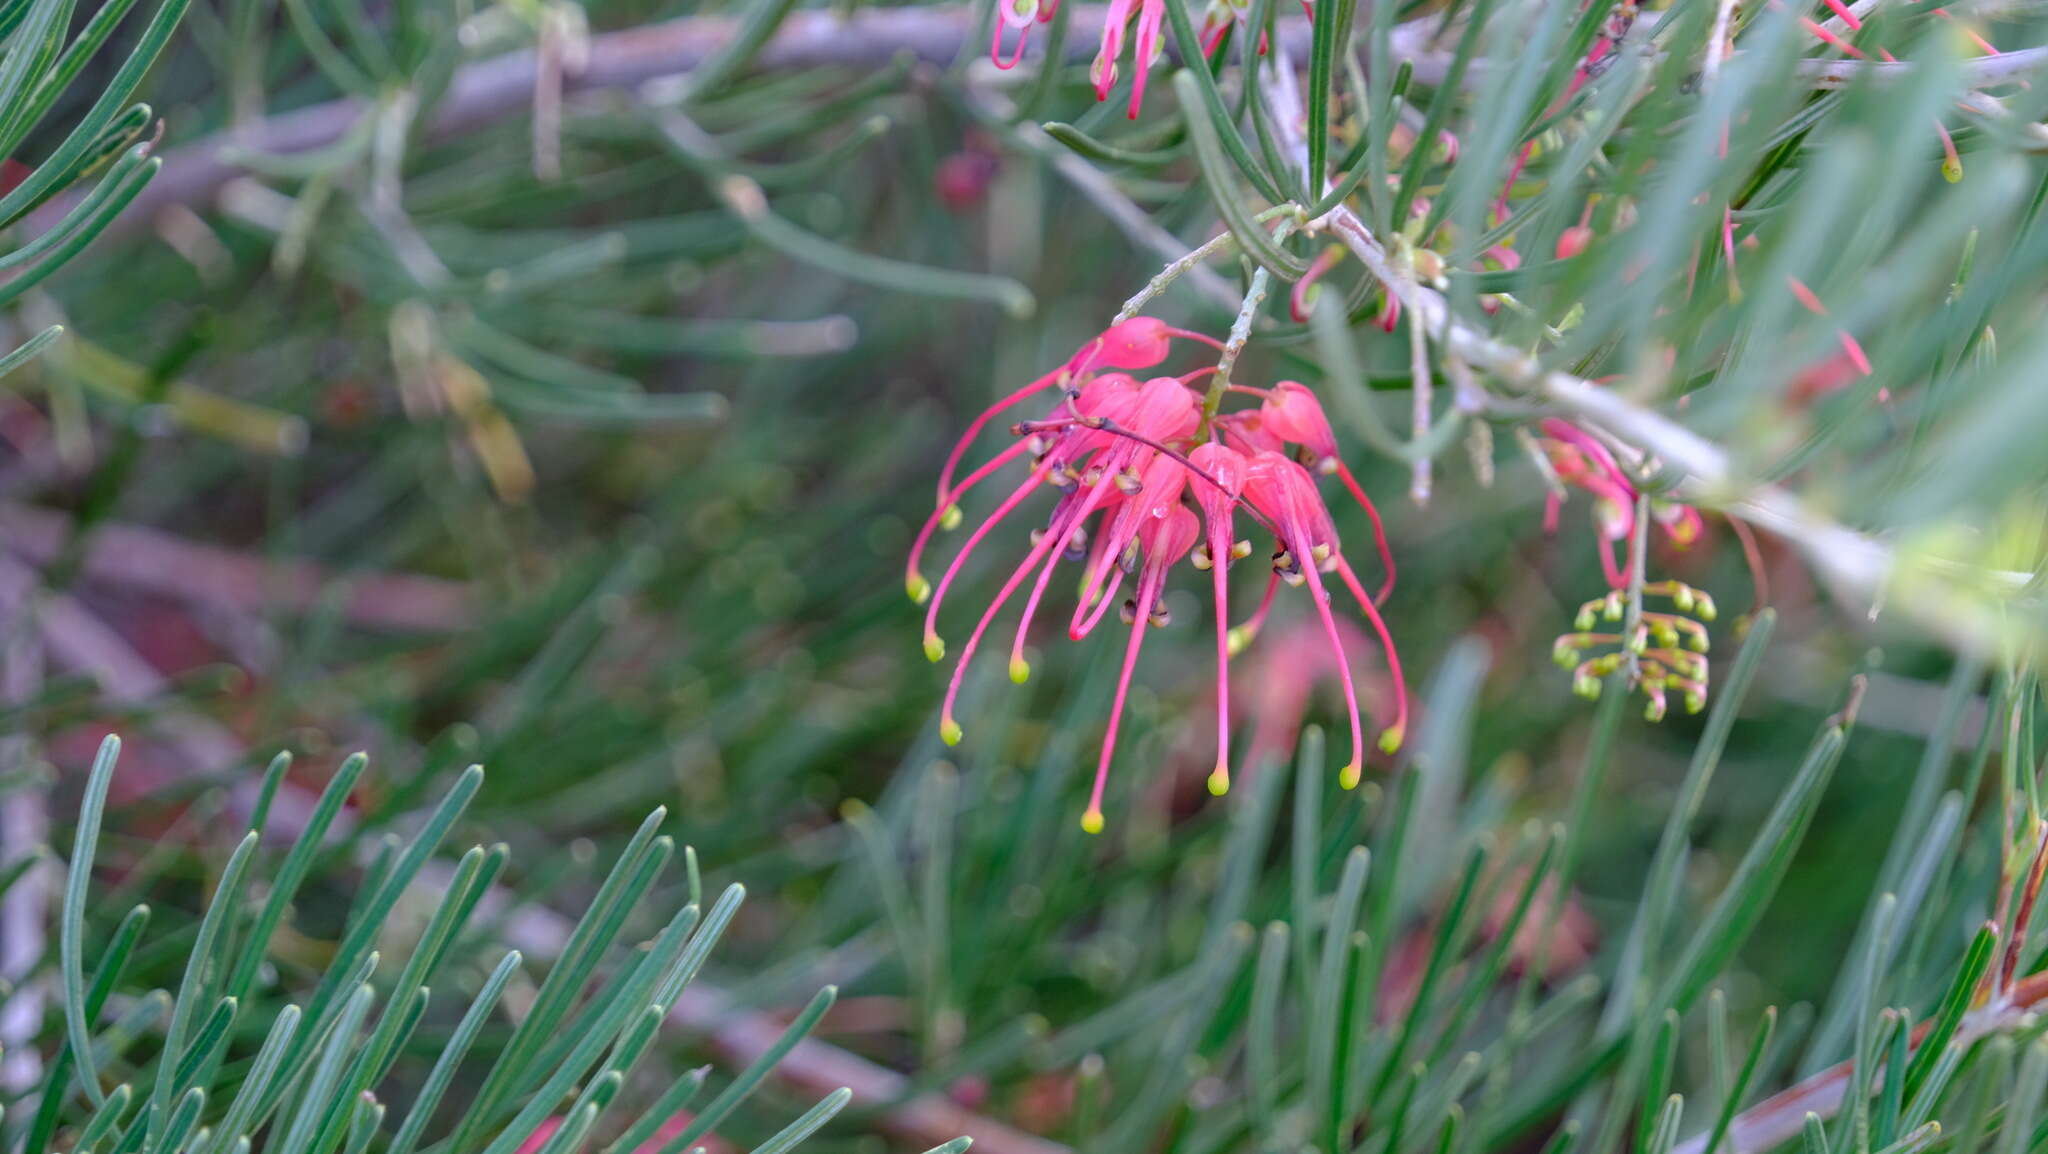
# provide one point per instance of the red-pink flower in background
(1580, 461)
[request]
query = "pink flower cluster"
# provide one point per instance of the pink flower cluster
(1581, 461)
(1146, 475)
(1018, 16)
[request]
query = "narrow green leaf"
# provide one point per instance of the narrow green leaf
(445, 1066)
(787, 1138)
(1202, 105)
(103, 1120)
(2016, 1130)
(1986, 1095)
(71, 937)
(1262, 1062)
(1954, 1004)
(56, 1086)
(1730, 1105)
(666, 1107)
(1891, 1097)
(1251, 236)
(717, 70)
(256, 1083)
(199, 977)
(1735, 913)
(292, 873)
(751, 1077)
(1814, 1135)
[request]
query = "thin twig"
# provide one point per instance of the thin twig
(24, 831)
(1174, 270)
(1717, 44)
(1638, 567)
(1422, 410)
(1859, 566)
(76, 638)
(2022, 919)
(1978, 72)
(153, 561)
(1861, 10)
(1240, 334)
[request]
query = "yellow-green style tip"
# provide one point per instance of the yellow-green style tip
(1238, 637)
(918, 588)
(934, 648)
(1391, 739)
(1020, 670)
(1219, 782)
(1091, 822)
(950, 519)
(1349, 775)
(949, 731)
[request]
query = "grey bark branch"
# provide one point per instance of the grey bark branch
(1858, 567)
(157, 562)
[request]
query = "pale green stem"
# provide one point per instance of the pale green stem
(1187, 263)
(1240, 332)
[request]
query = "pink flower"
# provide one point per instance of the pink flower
(1019, 15)
(1216, 20)
(1224, 470)
(1285, 492)
(1293, 414)
(1281, 682)
(1581, 461)
(1145, 48)
(1140, 487)
(1850, 348)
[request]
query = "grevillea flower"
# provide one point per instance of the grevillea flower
(1144, 481)
(1579, 460)
(1145, 47)
(1217, 19)
(1019, 16)
(1281, 489)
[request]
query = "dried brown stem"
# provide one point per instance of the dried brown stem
(157, 562)
(2030, 891)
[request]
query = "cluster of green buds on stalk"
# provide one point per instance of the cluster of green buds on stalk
(1667, 652)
